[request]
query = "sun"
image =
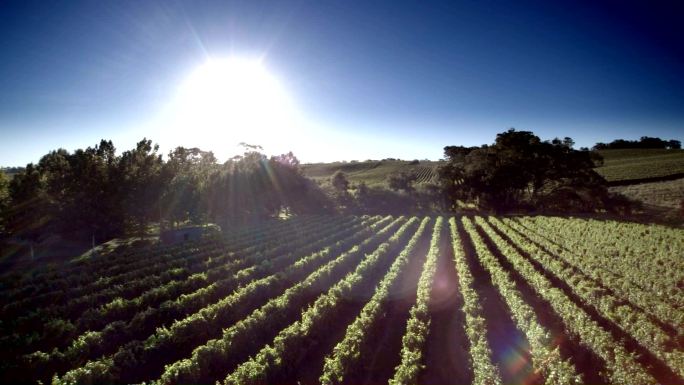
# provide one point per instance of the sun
(234, 100)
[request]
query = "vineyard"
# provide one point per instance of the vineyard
(425, 174)
(374, 173)
(628, 166)
(361, 300)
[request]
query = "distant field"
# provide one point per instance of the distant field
(373, 173)
(625, 165)
(660, 195)
(619, 166)
(11, 171)
(361, 300)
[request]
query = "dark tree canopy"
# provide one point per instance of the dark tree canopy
(402, 181)
(97, 193)
(339, 181)
(644, 142)
(520, 171)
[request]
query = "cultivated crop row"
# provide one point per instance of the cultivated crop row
(337, 300)
(140, 359)
(207, 298)
(629, 318)
(413, 342)
(270, 363)
(593, 264)
(621, 365)
(120, 307)
(348, 352)
(545, 356)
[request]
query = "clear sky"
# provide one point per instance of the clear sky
(364, 79)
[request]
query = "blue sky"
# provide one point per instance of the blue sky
(368, 79)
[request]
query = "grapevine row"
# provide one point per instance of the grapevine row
(630, 319)
(119, 304)
(182, 334)
(545, 357)
(653, 304)
(619, 247)
(113, 269)
(108, 267)
(290, 343)
(92, 343)
(418, 324)
(484, 371)
(210, 361)
(622, 367)
(142, 268)
(347, 352)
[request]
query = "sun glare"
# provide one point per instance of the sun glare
(234, 100)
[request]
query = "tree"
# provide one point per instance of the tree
(55, 173)
(73, 195)
(95, 187)
(4, 199)
(140, 171)
(30, 212)
(185, 176)
(378, 200)
(289, 160)
(362, 197)
(643, 142)
(95, 193)
(339, 181)
(252, 187)
(520, 171)
(402, 181)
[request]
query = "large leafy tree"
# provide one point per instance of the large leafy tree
(185, 176)
(339, 182)
(96, 190)
(402, 181)
(4, 199)
(252, 187)
(30, 212)
(294, 193)
(95, 193)
(521, 171)
(76, 195)
(141, 183)
(55, 173)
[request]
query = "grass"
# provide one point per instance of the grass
(661, 195)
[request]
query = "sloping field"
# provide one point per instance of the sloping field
(665, 195)
(362, 300)
(620, 167)
(373, 173)
(641, 164)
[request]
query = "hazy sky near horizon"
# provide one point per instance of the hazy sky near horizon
(367, 79)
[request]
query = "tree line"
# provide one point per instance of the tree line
(95, 192)
(520, 172)
(643, 142)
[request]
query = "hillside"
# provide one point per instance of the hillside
(654, 176)
(661, 196)
(620, 167)
(373, 172)
(630, 166)
(362, 300)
